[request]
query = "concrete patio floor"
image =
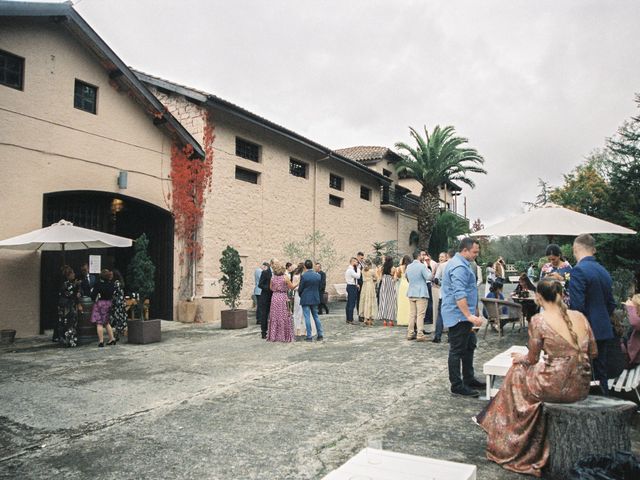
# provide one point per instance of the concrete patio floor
(208, 403)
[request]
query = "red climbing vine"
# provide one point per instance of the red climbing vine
(190, 182)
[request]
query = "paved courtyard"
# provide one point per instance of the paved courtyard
(207, 403)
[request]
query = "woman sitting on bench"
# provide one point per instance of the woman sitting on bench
(513, 419)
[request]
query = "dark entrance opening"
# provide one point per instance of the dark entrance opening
(119, 215)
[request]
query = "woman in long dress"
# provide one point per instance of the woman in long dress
(387, 302)
(68, 296)
(298, 318)
(403, 286)
(514, 420)
(280, 323)
(118, 313)
(368, 304)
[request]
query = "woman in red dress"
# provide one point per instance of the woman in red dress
(513, 420)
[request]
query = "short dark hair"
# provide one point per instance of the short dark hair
(554, 250)
(287, 265)
(416, 254)
(467, 243)
(451, 253)
(359, 253)
(308, 264)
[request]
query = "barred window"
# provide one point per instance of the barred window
(85, 97)
(297, 168)
(335, 181)
(247, 175)
(247, 150)
(365, 193)
(11, 70)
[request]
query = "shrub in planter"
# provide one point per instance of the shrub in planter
(141, 279)
(232, 278)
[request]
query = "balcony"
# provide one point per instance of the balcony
(393, 199)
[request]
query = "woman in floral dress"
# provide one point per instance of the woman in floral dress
(513, 419)
(118, 312)
(557, 268)
(367, 307)
(280, 323)
(102, 295)
(67, 310)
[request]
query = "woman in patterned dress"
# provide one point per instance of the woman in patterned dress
(68, 296)
(118, 313)
(403, 287)
(280, 323)
(514, 420)
(368, 304)
(102, 295)
(387, 302)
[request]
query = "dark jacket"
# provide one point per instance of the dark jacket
(590, 293)
(309, 288)
(104, 289)
(323, 281)
(265, 281)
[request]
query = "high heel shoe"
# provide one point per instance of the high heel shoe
(391, 323)
(384, 323)
(112, 342)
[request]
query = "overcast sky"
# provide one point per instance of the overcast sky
(534, 85)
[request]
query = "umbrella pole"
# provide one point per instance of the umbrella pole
(64, 261)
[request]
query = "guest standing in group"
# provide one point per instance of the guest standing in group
(323, 289)
(499, 268)
(491, 276)
(351, 277)
(87, 280)
(557, 267)
(632, 343)
(590, 293)
(102, 296)
(514, 418)
(460, 316)
(298, 319)
(402, 316)
(257, 290)
(417, 275)
(431, 266)
(66, 329)
(387, 302)
(368, 304)
(443, 259)
(280, 323)
(265, 298)
(310, 299)
(118, 312)
(531, 272)
(360, 258)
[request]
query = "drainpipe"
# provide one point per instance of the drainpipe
(315, 195)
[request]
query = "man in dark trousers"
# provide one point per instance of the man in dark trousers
(265, 298)
(590, 293)
(87, 281)
(360, 258)
(323, 288)
(309, 291)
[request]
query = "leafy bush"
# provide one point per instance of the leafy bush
(232, 278)
(141, 271)
(622, 285)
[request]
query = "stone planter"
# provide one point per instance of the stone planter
(233, 319)
(144, 331)
(187, 311)
(7, 336)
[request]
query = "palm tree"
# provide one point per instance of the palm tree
(439, 157)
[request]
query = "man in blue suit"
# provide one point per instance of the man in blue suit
(417, 275)
(590, 293)
(309, 291)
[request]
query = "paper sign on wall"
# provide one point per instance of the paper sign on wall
(94, 263)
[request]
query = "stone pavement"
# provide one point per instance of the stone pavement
(207, 403)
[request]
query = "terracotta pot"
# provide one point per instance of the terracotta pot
(233, 319)
(187, 311)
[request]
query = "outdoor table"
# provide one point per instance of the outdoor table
(498, 366)
(529, 307)
(374, 464)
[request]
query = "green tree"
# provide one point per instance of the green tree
(141, 270)
(543, 196)
(438, 158)
(584, 190)
(446, 231)
(232, 276)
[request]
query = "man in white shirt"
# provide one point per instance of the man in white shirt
(351, 277)
(360, 258)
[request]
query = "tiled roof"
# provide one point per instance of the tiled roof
(364, 153)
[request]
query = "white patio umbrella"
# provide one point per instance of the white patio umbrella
(63, 236)
(551, 220)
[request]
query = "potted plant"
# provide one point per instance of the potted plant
(232, 278)
(141, 281)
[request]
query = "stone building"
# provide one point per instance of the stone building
(86, 139)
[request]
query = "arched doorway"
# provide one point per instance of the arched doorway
(112, 213)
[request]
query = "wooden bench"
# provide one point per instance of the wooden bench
(594, 426)
(341, 290)
(628, 381)
(375, 464)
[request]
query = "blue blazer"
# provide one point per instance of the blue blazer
(590, 293)
(309, 288)
(418, 275)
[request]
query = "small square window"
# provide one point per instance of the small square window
(247, 175)
(335, 201)
(11, 70)
(297, 168)
(365, 193)
(335, 181)
(85, 97)
(386, 173)
(247, 150)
